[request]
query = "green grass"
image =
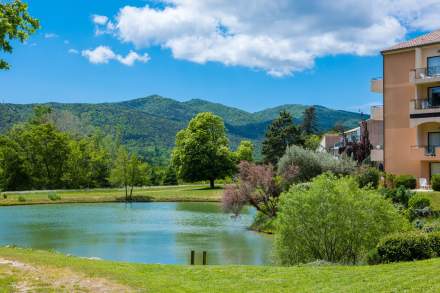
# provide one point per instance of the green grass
(162, 193)
(420, 276)
(435, 199)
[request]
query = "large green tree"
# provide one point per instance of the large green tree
(202, 151)
(280, 134)
(245, 151)
(15, 24)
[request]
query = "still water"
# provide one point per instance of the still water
(137, 232)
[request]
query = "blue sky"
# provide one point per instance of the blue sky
(236, 68)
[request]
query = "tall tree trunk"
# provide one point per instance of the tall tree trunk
(211, 183)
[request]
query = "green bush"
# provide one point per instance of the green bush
(5, 196)
(390, 181)
(332, 220)
(435, 182)
(399, 195)
(311, 164)
(368, 176)
(405, 247)
(53, 196)
(21, 199)
(434, 240)
(419, 206)
(408, 181)
(373, 257)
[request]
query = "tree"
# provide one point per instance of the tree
(128, 172)
(15, 23)
(312, 142)
(359, 151)
(332, 219)
(201, 151)
(244, 151)
(280, 134)
(170, 177)
(14, 174)
(309, 121)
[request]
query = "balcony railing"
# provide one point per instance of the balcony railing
(422, 104)
(427, 73)
(430, 150)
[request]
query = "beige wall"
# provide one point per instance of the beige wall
(399, 137)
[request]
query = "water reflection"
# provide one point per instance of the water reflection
(138, 232)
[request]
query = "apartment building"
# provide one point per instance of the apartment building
(411, 100)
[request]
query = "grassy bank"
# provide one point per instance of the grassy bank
(161, 193)
(435, 199)
(421, 276)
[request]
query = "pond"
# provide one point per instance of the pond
(137, 232)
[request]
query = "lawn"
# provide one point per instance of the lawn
(420, 276)
(161, 193)
(435, 199)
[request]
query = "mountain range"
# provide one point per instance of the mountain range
(148, 125)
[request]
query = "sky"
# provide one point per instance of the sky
(247, 54)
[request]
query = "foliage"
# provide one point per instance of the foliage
(312, 142)
(368, 177)
(21, 199)
(309, 121)
(310, 164)
(280, 134)
(435, 182)
(332, 220)
(407, 246)
(419, 206)
(15, 24)
(170, 176)
(53, 196)
(399, 195)
(128, 171)
(359, 151)
(257, 186)
(244, 151)
(148, 126)
(202, 151)
(408, 181)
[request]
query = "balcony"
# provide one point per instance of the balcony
(423, 111)
(377, 85)
(425, 153)
(425, 75)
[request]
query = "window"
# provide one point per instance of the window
(433, 142)
(435, 168)
(434, 96)
(433, 65)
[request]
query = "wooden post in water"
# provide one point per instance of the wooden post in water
(192, 257)
(204, 258)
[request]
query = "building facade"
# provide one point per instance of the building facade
(411, 101)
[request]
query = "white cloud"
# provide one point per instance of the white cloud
(50, 35)
(73, 51)
(99, 19)
(104, 54)
(277, 36)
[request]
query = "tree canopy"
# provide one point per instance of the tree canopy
(245, 151)
(202, 150)
(280, 134)
(309, 121)
(15, 24)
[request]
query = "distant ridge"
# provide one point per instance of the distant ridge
(149, 124)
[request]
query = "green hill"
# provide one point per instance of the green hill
(148, 125)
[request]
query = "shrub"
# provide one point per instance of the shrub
(408, 181)
(390, 180)
(399, 196)
(53, 196)
(419, 206)
(405, 247)
(435, 182)
(373, 257)
(434, 240)
(332, 220)
(311, 164)
(5, 196)
(368, 177)
(21, 199)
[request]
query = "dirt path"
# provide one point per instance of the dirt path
(32, 278)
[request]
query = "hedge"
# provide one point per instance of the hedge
(407, 181)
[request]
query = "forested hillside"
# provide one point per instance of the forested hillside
(148, 125)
